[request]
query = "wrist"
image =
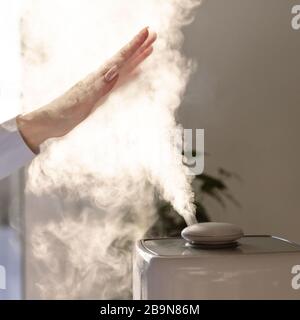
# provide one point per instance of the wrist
(32, 130)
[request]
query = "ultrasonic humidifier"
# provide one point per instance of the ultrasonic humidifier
(215, 261)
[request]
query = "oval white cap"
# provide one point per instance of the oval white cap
(212, 233)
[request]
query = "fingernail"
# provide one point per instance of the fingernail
(143, 30)
(111, 74)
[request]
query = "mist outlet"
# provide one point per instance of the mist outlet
(212, 235)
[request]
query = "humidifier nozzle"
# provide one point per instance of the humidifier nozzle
(210, 235)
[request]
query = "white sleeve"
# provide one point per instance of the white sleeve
(14, 153)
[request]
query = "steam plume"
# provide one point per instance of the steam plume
(106, 173)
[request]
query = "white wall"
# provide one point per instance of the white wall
(10, 62)
(246, 96)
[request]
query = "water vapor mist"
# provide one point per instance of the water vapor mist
(104, 177)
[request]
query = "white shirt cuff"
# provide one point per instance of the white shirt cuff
(14, 152)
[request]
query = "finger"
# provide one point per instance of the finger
(126, 52)
(109, 86)
(149, 42)
(138, 59)
(141, 54)
(132, 47)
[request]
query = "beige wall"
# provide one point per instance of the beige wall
(246, 96)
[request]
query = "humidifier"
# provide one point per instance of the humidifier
(215, 261)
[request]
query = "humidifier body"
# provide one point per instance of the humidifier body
(260, 267)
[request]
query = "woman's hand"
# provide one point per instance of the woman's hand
(66, 112)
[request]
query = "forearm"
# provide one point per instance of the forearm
(63, 114)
